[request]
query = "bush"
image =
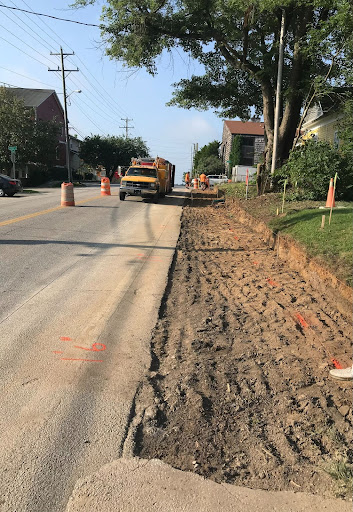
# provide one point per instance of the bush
(310, 168)
(58, 173)
(36, 176)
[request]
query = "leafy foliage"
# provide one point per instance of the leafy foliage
(110, 152)
(310, 168)
(235, 153)
(207, 160)
(236, 41)
(211, 165)
(36, 140)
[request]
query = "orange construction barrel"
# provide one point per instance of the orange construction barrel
(67, 194)
(105, 187)
(196, 182)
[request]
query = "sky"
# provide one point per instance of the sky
(110, 92)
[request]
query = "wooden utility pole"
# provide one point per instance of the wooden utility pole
(66, 121)
(126, 127)
(278, 93)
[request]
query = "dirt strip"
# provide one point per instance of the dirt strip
(238, 389)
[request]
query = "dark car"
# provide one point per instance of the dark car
(9, 186)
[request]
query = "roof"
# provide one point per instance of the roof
(245, 128)
(34, 97)
(327, 104)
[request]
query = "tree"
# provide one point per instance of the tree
(212, 165)
(207, 160)
(210, 149)
(237, 43)
(110, 152)
(36, 141)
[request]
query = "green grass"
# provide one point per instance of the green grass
(237, 190)
(333, 244)
(341, 471)
(29, 191)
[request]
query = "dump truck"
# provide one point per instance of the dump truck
(148, 178)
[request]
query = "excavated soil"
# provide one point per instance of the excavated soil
(238, 389)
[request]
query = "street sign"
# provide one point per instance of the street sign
(12, 148)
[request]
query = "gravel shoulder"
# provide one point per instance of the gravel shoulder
(238, 390)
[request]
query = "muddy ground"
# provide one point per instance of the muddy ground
(238, 389)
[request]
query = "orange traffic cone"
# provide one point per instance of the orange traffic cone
(330, 201)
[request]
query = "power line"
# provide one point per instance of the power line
(79, 84)
(53, 17)
(111, 107)
(66, 121)
(84, 113)
(30, 34)
(127, 127)
(46, 25)
(96, 111)
(29, 46)
(28, 78)
(20, 49)
(99, 92)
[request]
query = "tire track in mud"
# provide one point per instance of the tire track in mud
(239, 389)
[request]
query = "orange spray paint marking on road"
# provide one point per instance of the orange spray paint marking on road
(94, 347)
(271, 282)
(58, 351)
(336, 364)
(236, 238)
(90, 360)
(65, 338)
(255, 262)
(302, 321)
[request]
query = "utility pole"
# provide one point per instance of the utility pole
(194, 150)
(278, 93)
(126, 127)
(66, 121)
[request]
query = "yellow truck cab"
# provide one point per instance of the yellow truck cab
(148, 178)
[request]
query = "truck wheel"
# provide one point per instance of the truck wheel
(122, 196)
(2, 193)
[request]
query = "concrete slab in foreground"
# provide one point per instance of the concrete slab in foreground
(135, 485)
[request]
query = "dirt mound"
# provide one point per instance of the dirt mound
(238, 389)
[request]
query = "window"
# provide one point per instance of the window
(139, 171)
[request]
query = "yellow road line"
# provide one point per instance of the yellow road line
(43, 212)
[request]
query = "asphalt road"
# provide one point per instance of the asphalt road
(79, 295)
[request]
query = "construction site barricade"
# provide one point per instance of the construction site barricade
(67, 194)
(105, 187)
(196, 183)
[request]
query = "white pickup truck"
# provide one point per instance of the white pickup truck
(216, 179)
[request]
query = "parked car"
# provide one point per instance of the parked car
(9, 186)
(216, 179)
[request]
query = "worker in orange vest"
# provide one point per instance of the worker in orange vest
(187, 179)
(203, 179)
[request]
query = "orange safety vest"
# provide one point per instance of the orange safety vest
(203, 178)
(187, 177)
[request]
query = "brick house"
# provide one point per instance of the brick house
(47, 107)
(253, 141)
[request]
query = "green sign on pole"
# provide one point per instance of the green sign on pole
(12, 148)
